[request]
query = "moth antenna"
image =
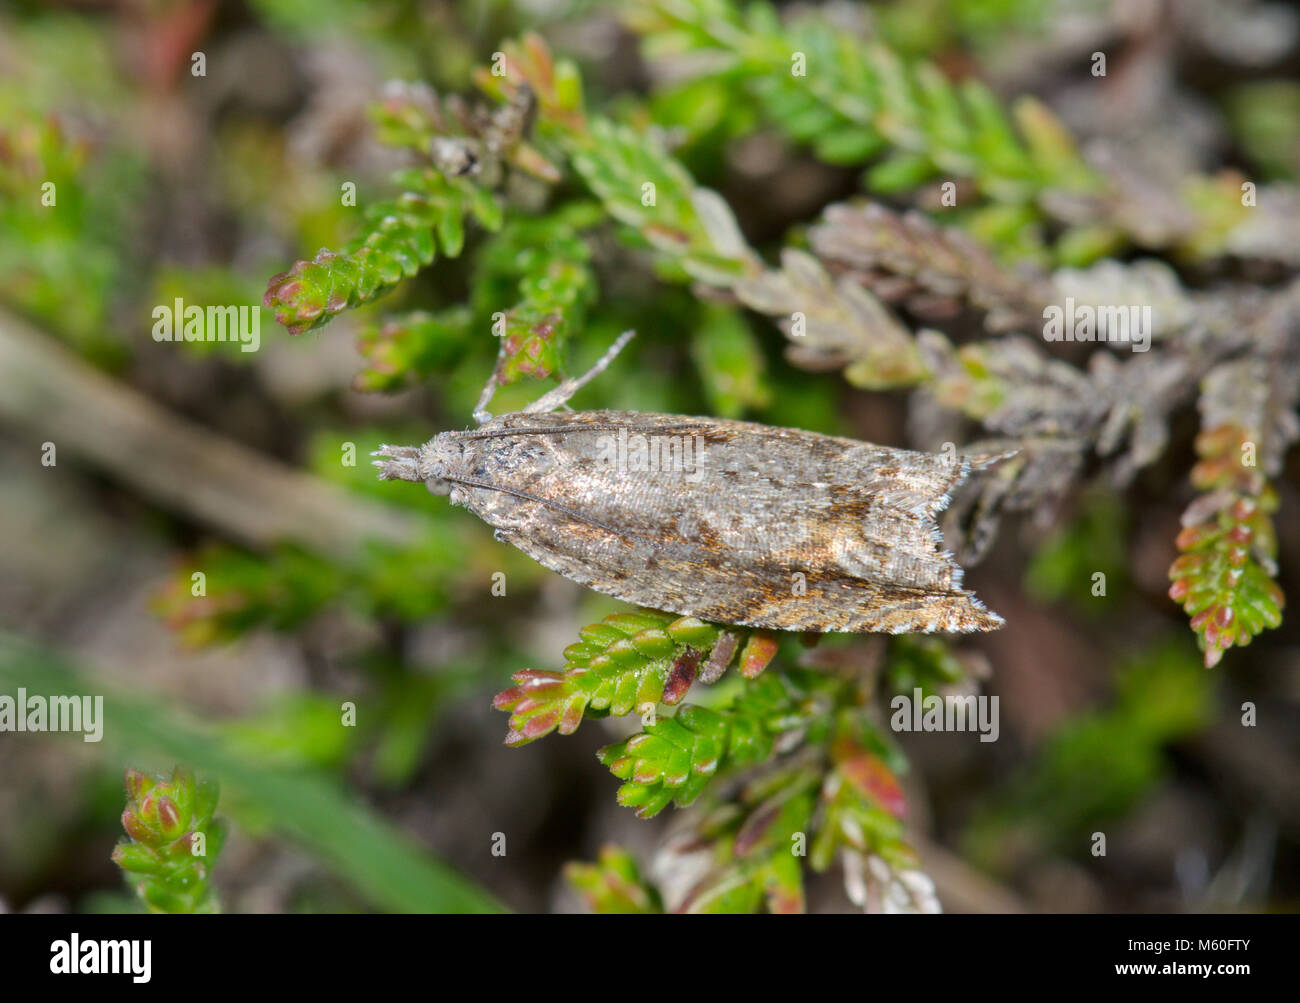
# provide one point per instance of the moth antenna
(399, 463)
(501, 433)
(481, 412)
(559, 396)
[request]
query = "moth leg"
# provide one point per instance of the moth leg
(399, 463)
(558, 397)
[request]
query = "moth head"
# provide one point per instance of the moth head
(437, 464)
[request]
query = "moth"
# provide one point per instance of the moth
(729, 521)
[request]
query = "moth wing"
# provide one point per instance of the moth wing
(743, 597)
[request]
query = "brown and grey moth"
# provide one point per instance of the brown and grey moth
(729, 521)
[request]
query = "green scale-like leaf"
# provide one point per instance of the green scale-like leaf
(400, 240)
(627, 661)
(673, 759)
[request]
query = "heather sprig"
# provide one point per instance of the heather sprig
(852, 98)
(626, 662)
(402, 236)
(531, 286)
(638, 182)
(836, 796)
(613, 884)
(673, 759)
(1224, 578)
(173, 841)
(458, 160)
(753, 840)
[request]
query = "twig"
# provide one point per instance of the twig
(242, 494)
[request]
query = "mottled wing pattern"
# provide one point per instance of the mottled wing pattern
(729, 521)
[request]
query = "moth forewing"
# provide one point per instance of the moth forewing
(729, 521)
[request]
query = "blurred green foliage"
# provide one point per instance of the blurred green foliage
(1097, 766)
(304, 805)
(1264, 114)
(1067, 563)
